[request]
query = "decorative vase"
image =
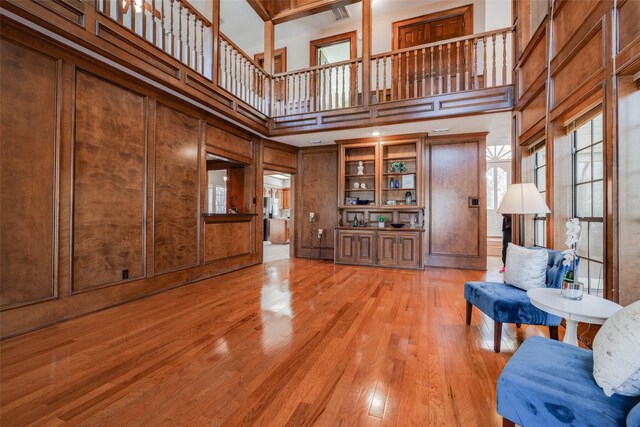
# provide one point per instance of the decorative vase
(392, 183)
(407, 198)
(572, 290)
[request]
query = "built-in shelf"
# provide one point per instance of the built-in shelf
(396, 158)
(398, 189)
(363, 160)
(361, 176)
(361, 189)
(399, 173)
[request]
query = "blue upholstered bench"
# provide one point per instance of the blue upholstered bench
(549, 383)
(507, 304)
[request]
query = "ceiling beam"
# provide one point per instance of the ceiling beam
(260, 9)
(291, 13)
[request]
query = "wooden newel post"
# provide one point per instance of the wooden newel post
(366, 53)
(268, 64)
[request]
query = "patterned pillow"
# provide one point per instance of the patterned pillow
(616, 353)
(526, 268)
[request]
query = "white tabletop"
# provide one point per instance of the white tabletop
(590, 309)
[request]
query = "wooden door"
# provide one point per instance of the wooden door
(346, 246)
(409, 252)
(365, 248)
(387, 248)
(457, 217)
(410, 68)
(279, 66)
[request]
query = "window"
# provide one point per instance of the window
(588, 202)
(221, 199)
(540, 180)
(498, 157)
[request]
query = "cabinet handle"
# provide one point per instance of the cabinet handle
(401, 240)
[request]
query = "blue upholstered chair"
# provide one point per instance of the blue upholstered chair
(507, 304)
(549, 383)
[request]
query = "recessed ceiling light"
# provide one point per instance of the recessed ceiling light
(440, 130)
(315, 141)
(375, 133)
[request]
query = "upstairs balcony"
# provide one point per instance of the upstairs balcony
(174, 43)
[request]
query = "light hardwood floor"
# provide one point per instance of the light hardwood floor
(292, 342)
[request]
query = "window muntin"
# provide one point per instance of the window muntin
(539, 155)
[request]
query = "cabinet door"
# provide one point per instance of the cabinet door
(365, 253)
(346, 246)
(387, 248)
(409, 253)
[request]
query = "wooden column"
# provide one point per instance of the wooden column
(269, 37)
(366, 52)
(215, 26)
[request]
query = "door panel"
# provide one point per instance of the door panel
(457, 226)
(409, 250)
(387, 248)
(365, 248)
(346, 247)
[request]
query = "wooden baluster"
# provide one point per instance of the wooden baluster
(504, 58)
(484, 62)
(180, 30)
(243, 78)
(235, 74)
(224, 74)
(162, 28)
(392, 78)
(132, 16)
(457, 66)
(399, 76)
(406, 75)
(173, 40)
(440, 69)
(384, 79)
(188, 41)
(307, 95)
(431, 72)
(154, 28)
(448, 67)
(415, 74)
(355, 88)
(493, 55)
(201, 47)
(423, 73)
(144, 21)
(195, 42)
(299, 93)
(330, 70)
(466, 64)
(377, 80)
(474, 71)
(119, 12)
(344, 82)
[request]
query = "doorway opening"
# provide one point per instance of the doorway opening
(277, 216)
(498, 179)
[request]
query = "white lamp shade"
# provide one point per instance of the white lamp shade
(523, 199)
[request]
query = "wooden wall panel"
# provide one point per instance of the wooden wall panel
(226, 240)
(587, 61)
(457, 230)
(533, 65)
(533, 112)
(109, 184)
(316, 191)
(568, 19)
(176, 190)
(628, 19)
(278, 158)
(224, 143)
(28, 156)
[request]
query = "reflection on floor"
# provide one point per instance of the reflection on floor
(273, 252)
(294, 342)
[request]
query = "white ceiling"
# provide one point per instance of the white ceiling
(497, 124)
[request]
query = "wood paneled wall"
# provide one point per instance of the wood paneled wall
(29, 108)
(316, 191)
(103, 180)
(563, 76)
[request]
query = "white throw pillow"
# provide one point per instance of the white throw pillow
(526, 268)
(616, 353)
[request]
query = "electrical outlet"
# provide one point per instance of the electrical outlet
(320, 231)
(125, 274)
(312, 216)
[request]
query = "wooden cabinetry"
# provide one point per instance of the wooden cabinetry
(381, 172)
(384, 248)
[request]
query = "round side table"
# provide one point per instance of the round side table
(590, 309)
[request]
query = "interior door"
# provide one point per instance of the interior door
(426, 29)
(457, 217)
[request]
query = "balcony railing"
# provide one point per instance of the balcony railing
(395, 82)
(241, 76)
(174, 26)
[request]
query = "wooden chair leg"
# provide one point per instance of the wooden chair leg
(553, 332)
(507, 423)
(497, 336)
(518, 325)
(469, 308)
